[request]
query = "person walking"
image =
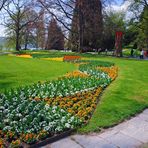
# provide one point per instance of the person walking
(142, 54)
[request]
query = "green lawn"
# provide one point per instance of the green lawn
(16, 71)
(125, 97)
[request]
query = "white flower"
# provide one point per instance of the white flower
(6, 120)
(54, 107)
(47, 106)
(7, 128)
(58, 129)
(63, 119)
(67, 125)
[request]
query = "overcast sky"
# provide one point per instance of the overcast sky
(120, 5)
(2, 31)
(117, 6)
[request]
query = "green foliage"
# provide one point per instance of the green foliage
(127, 52)
(140, 10)
(113, 21)
(131, 34)
(143, 34)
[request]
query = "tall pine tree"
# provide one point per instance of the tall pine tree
(87, 24)
(55, 39)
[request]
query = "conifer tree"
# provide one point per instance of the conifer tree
(55, 39)
(90, 20)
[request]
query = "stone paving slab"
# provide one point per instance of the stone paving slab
(92, 142)
(146, 112)
(143, 117)
(137, 128)
(129, 134)
(123, 141)
(64, 143)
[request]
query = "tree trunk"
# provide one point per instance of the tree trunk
(26, 39)
(18, 33)
(80, 48)
(17, 40)
(26, 44)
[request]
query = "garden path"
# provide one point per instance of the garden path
(129, 134)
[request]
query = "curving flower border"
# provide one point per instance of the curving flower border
(48, 109)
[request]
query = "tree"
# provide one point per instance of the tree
(19, 18)
(87, 22)
(2, 3)
(40, 30)
(84, 15)
(131, 33)
(140, 18)
(113, 21)
(142, 38)
(28, 32)
(77, 16)
(137, 6)
(55, 38)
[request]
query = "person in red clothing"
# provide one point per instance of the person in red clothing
(146, 54)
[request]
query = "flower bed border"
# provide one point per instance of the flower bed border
(61, 135)
(71, 58)
(50, 140)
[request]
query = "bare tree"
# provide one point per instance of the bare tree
(29, 30)
(2, 3)
(40, 30)
(136, 7)
(19, 18)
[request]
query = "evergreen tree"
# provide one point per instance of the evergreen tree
(55, 39)
(144, 27)
(88, 17)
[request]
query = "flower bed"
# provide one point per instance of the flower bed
(53, 59)
(76, 74)
(71, 58)
(81, 104)
(24, 55)
(33, 113)
(30, 120)
(111, 71)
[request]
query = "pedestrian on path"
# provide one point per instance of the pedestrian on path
(142, 54)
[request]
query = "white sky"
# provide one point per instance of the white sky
(122, 7)
(2, 31)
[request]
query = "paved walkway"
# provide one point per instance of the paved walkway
(130, 134)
